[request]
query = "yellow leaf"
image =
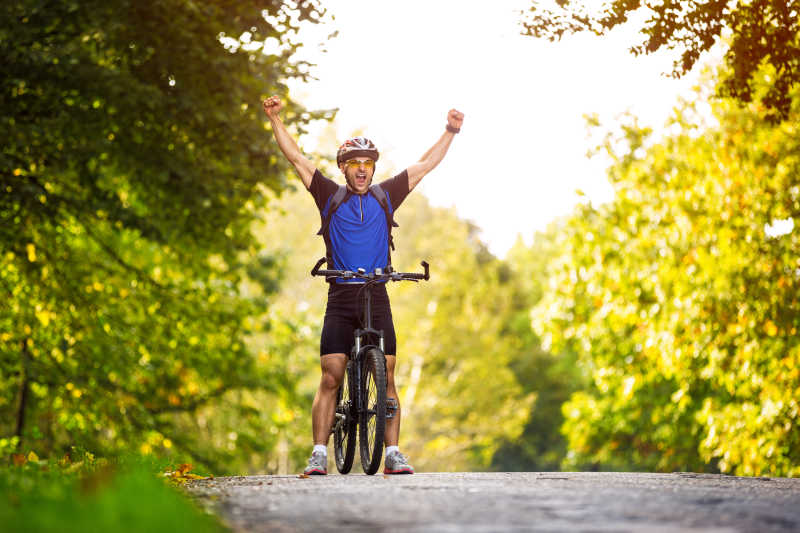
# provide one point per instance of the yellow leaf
(181, 475)
(32, 457)
(770, 328)
(31, 252)
(44, 316)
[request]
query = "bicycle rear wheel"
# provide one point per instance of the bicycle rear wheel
(344, 425)
(372, 424)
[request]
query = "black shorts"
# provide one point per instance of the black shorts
(343, 316)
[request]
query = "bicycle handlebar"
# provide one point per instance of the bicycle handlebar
(378, 275)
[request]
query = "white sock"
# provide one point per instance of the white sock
(390, 449)
(320, 448)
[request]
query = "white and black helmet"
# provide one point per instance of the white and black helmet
(356, 147)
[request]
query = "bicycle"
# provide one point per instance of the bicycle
(361, 398)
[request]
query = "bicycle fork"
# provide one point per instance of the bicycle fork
(391, 403)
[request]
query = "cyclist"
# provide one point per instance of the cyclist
(357, 237)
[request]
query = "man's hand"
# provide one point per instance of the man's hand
(272, 106)
(455, 118)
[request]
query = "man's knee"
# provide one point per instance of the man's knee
(330, 381)
(390, 361)
(333, 368)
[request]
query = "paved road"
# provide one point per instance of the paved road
(479, 502)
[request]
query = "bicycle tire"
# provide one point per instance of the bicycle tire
(372, 422)
(345, 423)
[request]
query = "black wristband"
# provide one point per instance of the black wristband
(451, 129)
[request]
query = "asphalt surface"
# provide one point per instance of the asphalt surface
(516, 501)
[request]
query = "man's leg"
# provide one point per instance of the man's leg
(395, 462)
(392, 435)
(323, 409)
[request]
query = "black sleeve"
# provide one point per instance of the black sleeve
(321, 189)
(396, 189)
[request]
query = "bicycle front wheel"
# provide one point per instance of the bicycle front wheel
(372, 424)
(344, 425)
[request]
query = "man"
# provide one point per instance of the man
(357, 237)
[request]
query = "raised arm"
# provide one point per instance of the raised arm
(305, 168)
(435, 154)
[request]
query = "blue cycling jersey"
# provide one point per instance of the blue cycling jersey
(358, 234)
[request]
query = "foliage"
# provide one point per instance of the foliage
(764, 33)
(553, 377)
(94, 495)
(460, 399)
(295, 318)
(681, 301)
(134, 161)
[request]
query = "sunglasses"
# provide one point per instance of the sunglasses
(352, 163)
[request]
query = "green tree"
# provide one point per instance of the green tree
(461, 400)
(682, 303)
(134, 159)
(764, 35)
(552, 377)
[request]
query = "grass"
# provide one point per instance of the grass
(96, 495)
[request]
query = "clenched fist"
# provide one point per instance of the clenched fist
(455, 118)
(272, 106)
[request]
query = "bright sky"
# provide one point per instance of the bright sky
(396, 68)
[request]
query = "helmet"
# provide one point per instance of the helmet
(356, 147)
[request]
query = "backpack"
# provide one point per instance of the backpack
(338, 198)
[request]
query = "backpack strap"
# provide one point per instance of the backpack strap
(336, 200)
(380, 195)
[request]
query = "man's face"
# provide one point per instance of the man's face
(358, 173)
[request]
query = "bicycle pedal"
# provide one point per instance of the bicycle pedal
(391, 407)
